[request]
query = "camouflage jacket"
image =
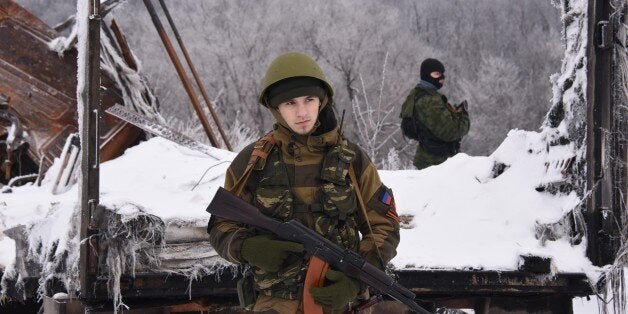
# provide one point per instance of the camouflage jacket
(442, 127)
(303, 157)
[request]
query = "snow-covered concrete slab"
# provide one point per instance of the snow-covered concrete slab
(465, 216)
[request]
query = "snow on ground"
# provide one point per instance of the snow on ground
(463, 218)
(156, 177)
(164, 179)
(7, 247)
(587, 305)
(46, 214)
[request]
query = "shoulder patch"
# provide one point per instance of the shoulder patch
(384, 203)
(386, 198)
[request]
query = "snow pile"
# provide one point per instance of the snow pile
(159, 186)
(154, 186)
(164, 179)
(484, 212)
(47, 225)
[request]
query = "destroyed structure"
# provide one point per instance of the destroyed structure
(140, 257)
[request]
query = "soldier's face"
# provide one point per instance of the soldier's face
(300, 113)
(438, 76)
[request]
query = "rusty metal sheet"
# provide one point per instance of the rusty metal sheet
(9, 8)
(42, 112)
(29, 53)
(41, 86)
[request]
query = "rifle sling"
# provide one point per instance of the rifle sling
(315, 277)
(358, 192)
(260, 152)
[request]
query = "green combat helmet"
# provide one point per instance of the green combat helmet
(289, 65)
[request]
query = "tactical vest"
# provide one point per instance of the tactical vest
(435, 146)
(427, 140)
(334, 211)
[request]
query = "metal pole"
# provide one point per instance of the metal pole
(195, 74)
(177, 64)
(124, 47)
(601, 224)
(89, 96)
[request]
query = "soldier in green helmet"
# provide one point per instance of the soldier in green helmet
(304, 169)
(430, 119)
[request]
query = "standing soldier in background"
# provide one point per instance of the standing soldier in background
(304, 170)
(427, 116)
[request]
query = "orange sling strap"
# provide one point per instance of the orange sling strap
(260, 152)
(315, 277)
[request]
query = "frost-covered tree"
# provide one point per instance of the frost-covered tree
(233, 41)
(496, 109)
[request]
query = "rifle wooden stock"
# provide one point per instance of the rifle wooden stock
(228, 206)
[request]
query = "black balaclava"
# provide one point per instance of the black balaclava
(428, 66)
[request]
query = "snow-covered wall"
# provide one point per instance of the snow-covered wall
(464, 214)
(566, 118)
(618, 273)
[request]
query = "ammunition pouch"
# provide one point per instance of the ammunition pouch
(246, 291)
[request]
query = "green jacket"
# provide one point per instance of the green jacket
(441, 126)
(303, 157)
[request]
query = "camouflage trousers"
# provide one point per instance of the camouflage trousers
(423, 159)
(274, 305)
(268, 304)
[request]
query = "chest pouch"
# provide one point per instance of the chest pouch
(341, 232)
(336, 164)
(338, 194)
(272, 194)
(339, 200)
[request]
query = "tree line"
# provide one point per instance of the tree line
(498, 55)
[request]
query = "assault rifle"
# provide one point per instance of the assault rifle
(229, 206)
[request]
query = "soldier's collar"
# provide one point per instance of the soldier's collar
(313, 142)
(427, 85)
(323, 140)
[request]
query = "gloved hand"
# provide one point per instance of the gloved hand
(456, 110)
(341, 291)
(461, 106)
(267, 253)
